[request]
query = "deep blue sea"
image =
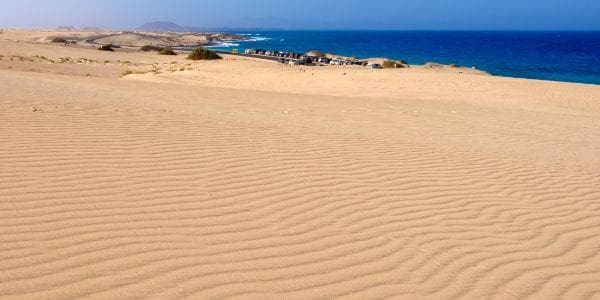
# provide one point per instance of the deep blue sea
(560, 56)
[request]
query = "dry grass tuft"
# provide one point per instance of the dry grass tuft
(167, 51)
(203, 54)
(149, 48)
(391, 64)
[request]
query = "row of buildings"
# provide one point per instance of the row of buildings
(310, 58)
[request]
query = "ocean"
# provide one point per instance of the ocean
(548, 55)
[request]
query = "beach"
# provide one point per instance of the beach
(566, 56)
(137, 175)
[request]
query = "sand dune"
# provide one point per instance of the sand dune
(218, 182)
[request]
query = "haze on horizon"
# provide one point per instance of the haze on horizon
(311, 14)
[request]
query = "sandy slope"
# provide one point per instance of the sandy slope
(248, 179)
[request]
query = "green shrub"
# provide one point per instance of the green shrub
(167, 51)
(201, 53)
(390, 64)
(149, 48)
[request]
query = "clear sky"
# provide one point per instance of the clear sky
(309, 14)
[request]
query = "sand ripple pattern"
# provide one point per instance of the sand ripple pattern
(103, 203)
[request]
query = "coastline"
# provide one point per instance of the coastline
(574, 66)
(566, 56)
(245, 178)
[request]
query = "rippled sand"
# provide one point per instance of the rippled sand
(249, 179)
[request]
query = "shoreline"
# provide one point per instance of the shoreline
(463, 48)
(133, 49)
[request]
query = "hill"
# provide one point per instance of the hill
(164, 26)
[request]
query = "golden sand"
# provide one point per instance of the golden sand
(249, 179)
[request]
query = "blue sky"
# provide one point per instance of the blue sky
(310, 14)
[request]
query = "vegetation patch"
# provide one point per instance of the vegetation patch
(167, 51)
(86, 61)
(59, 40)
(391, 64)
(203, 54)
(149, 48)
(65, 60)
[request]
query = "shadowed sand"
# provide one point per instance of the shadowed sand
(248, 179)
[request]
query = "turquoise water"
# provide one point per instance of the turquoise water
(559, 56)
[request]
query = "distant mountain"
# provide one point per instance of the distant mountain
(163, 26)
(242, 25)
(93, 29)
(67, 28)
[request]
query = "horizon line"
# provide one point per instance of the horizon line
(306, 29)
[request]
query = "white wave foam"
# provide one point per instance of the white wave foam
(254, 37)
(259, 39)
(224, 45)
